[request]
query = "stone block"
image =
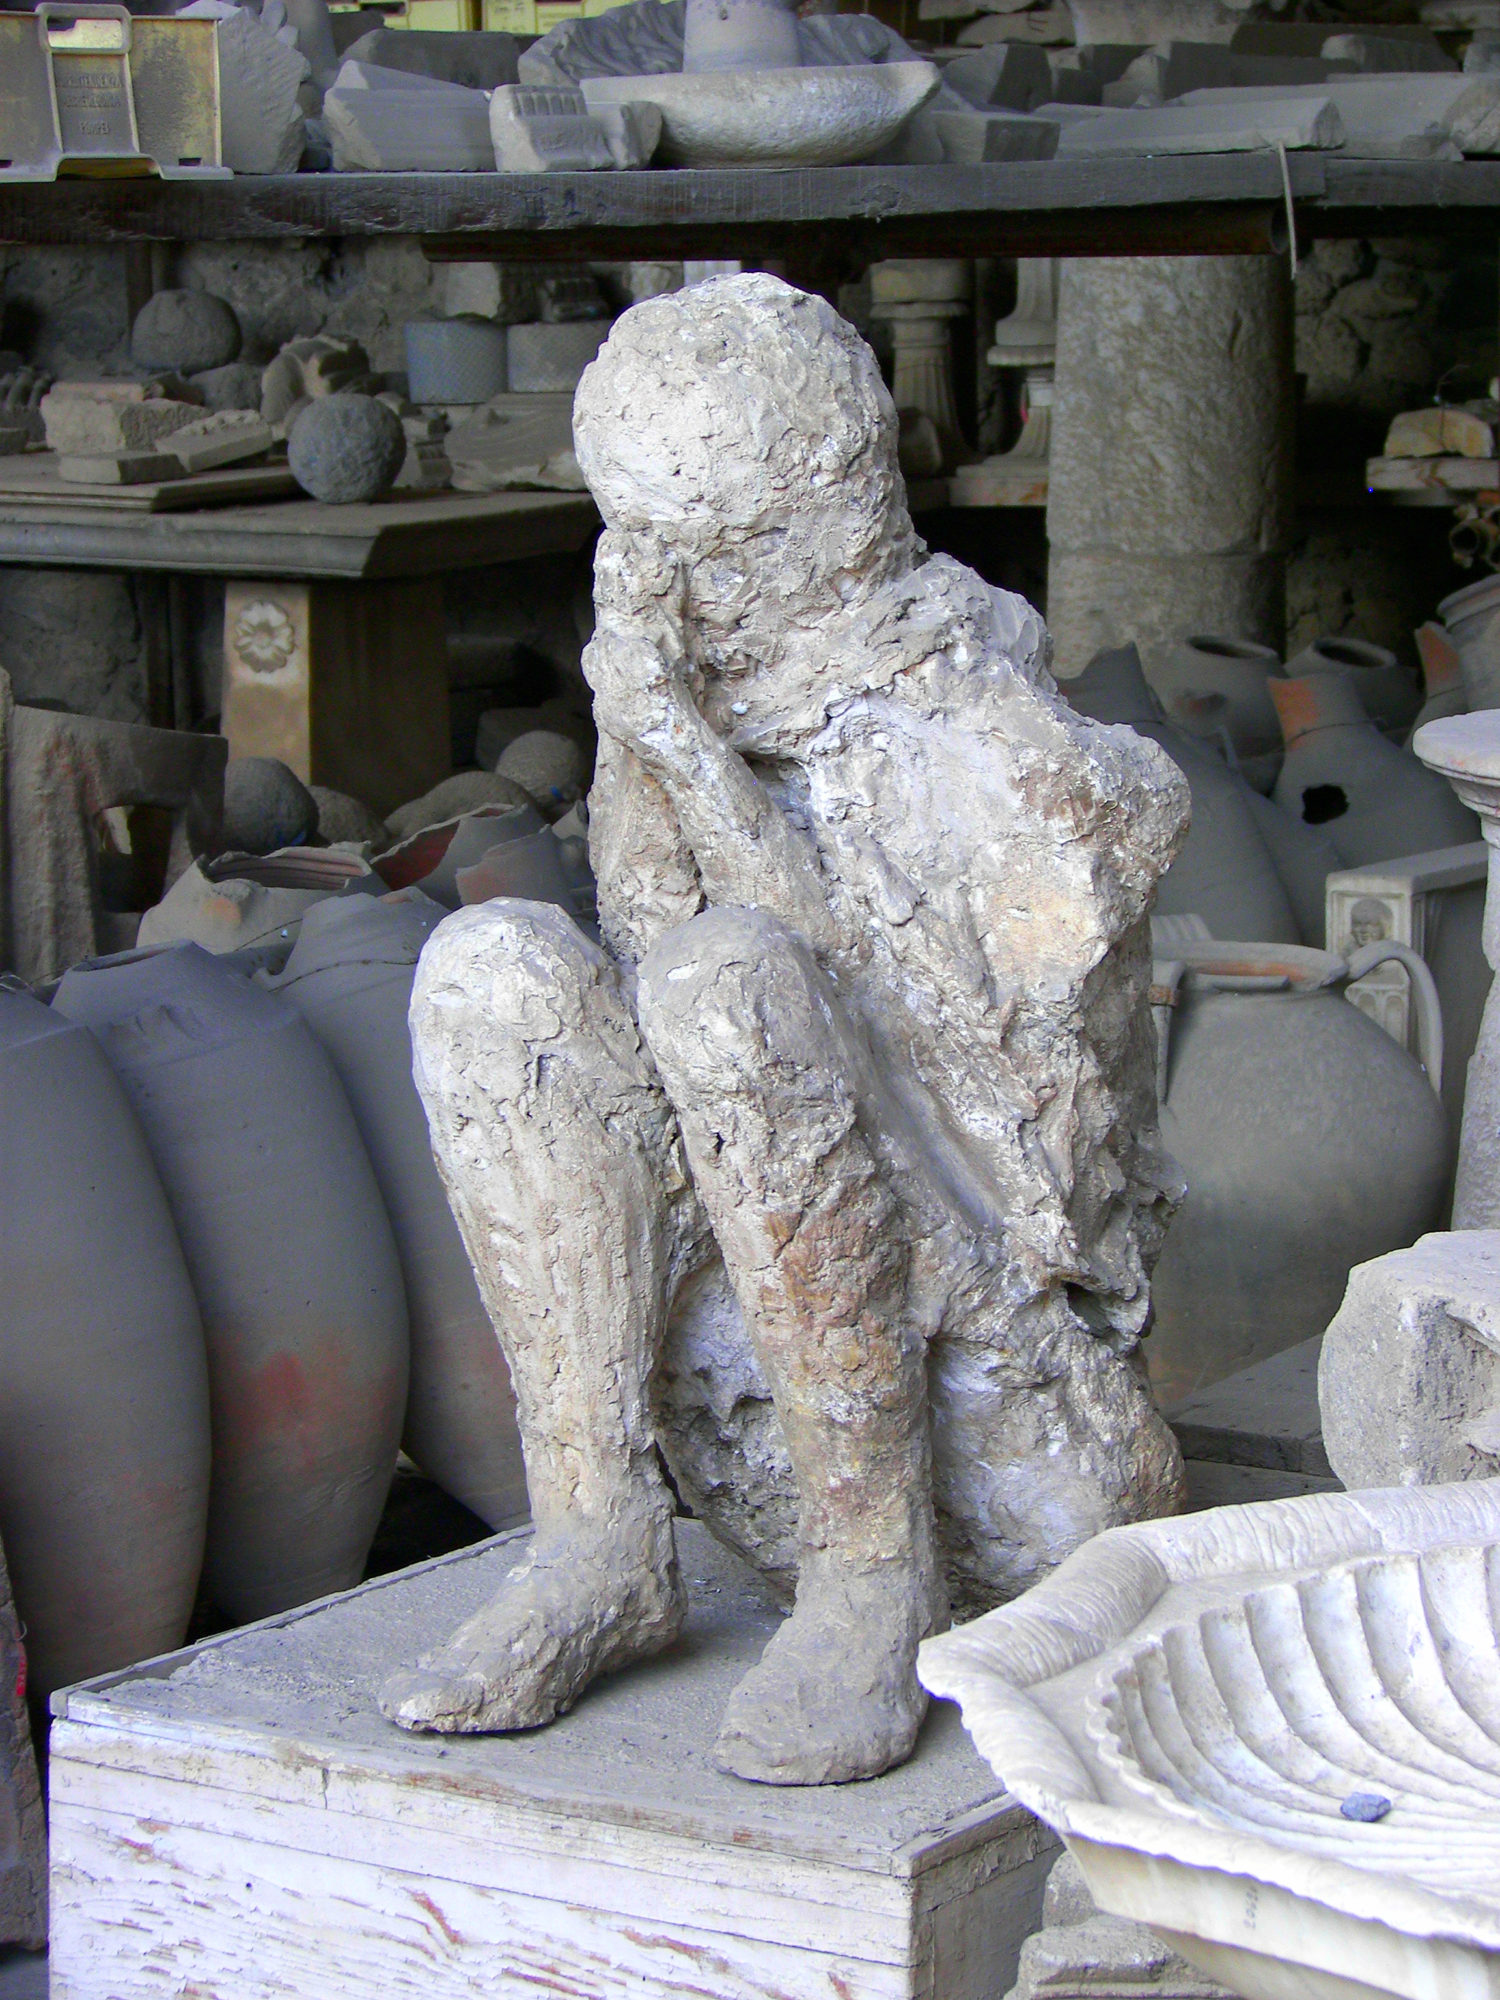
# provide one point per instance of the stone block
(1376, 54)
(545, 130)
(1223, 127)
(1265, 1417)
(1382, 116)
(475, 58)
(85, 426)
(382, 120)
(1167, 72)
(225, 438)
(969, 138)
(249, 1788)
(1010, 76)
(1409, 1381)
(550, 358)
(120, 468)
(490, 290)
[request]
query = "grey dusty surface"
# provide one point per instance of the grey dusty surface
(1265, 1416)
(23, 1975)
(635, 1751)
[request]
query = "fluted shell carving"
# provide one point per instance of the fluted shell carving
(1199, 1705)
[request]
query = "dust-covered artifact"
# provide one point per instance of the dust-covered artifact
(836, 1173)
(1271, 1733)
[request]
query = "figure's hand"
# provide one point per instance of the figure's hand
(640, 588)
(636, 663)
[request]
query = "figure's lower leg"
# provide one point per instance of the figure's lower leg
(556, 1145)
(740, 1022)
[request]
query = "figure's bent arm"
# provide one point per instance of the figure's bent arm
(748, 853)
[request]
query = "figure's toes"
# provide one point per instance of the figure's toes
(421, 1698)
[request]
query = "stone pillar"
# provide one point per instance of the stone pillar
(1466, 750)
(1170, 493)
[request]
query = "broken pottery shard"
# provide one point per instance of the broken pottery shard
(81, 426)
(1223, 127)
(835, 1177)
(1409, 1378)
(970, 137)
(545, 131)
(391, 121)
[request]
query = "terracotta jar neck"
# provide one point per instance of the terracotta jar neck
(1317, 701)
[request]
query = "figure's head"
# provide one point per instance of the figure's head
(745, 425)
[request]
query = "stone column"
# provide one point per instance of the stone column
(1466, 750)
(1170, 493)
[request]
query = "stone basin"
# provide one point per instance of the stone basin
(775, 117)
(1195, 1705)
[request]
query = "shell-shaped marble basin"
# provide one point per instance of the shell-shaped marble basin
(1204, 1707)
(775, 117)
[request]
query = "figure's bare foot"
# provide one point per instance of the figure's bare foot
(579, 1606)
(836, 1695)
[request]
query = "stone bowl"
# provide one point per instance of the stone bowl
(1204, 1707)
(775, 117)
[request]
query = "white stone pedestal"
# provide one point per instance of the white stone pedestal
(237, 1822)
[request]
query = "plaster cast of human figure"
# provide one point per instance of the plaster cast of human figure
(835, 1175)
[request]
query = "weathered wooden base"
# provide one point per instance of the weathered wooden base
(238, 1823)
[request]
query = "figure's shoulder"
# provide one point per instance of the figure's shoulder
(942, 616)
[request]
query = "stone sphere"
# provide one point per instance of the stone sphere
(346, 447)
(552, 768)
(184, 332)
(464, 792)
(343, 817)
(266, 806)
(235, 386)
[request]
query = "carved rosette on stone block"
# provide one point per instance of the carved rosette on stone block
(855, 1111)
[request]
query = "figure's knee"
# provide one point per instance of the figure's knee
(729, 997)
(512, 974)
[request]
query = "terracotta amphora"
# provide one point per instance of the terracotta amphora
(104, 1439)
(1472, 616)
(1373, 800)
(1211, 685)
(350, 978)
(1224, 872)
(1309, 1138)
(1388, 693)
(292, 1258)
